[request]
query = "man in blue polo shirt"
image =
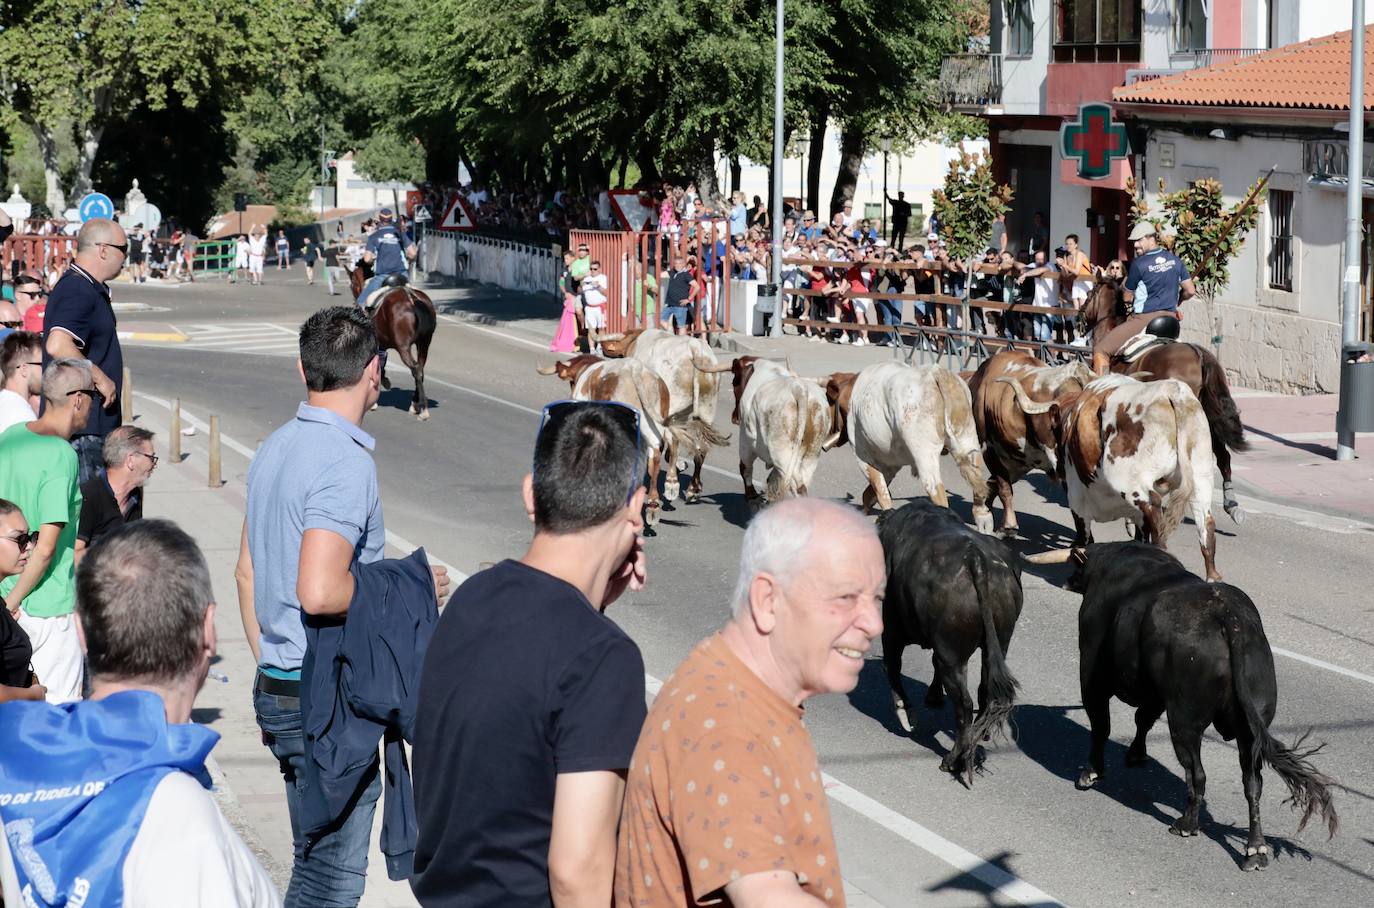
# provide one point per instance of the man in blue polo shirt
(313, 511)
(388, 249)
(1156, 282)
(79, 323)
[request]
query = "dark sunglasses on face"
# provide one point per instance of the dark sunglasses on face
(92, 393)
(627, 416)
(39, 293)
(122, 247)
(12, 324)
(23, 540)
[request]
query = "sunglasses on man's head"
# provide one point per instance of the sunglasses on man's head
(627, 416)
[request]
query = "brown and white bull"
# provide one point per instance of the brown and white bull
(1016, 441)
(692, 392)
(1135, 451)
(784, 420)
(635, 384)
(905, 416)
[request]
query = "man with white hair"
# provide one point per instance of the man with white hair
(724, 742)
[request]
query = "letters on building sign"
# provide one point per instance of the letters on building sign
(1330, 160)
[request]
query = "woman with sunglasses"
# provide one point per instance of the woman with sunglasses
(17, 681)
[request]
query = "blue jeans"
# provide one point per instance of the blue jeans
(890, 313)
(372, 284)
(333, 873)
(89, 460)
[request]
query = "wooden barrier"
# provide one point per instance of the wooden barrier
(126, 397)
(215, 480)
(174, 434)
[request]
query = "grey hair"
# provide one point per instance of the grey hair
(122, 442)
(142, 593)
(63, 376)
(778, 539)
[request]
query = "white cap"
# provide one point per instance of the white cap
(1141, 230)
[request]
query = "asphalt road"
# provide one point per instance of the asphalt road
(909, 834)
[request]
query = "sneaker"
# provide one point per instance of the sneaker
(860, 342)
(843, 339)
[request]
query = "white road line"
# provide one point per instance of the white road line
(511, 337)
(248, 453)
(1007, 884)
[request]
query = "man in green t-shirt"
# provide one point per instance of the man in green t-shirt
(38, 472)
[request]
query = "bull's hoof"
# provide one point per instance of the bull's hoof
(904, 719)
(982, 521)
(1087, 778)
(1011, 533)
(691, 495)
(424, 416)
(1180, 829)
(1234, 511)
(1256, 858)
(952, 765)
(671, 490)
(649, 532)
(1135, 757)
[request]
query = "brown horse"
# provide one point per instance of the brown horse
(1190, 363)
(405, 320)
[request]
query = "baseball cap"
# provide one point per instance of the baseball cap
(1142, 230)
(386, 213)
(932, 237)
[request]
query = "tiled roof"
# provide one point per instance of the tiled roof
(1313, 75)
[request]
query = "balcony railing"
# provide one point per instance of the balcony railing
(971, 81)
(1196, 59)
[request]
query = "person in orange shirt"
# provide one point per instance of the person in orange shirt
(724, 798)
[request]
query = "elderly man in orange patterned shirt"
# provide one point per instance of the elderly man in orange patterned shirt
(724, 800)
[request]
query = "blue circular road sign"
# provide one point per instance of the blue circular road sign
(95, 205)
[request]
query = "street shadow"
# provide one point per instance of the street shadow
(873, 697)
(206, 715)
(399, 398)
(506, 307)
(985, 880)
(1310, 447)
(734, 507)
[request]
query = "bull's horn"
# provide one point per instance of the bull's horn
(1054, 556)
(1028, 406)
(711, 367)
(612, 337)
(546, 370)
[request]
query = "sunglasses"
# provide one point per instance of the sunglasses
(627, 416)
(12, 324)
(92, 393)
(122, 247)
(152, 458)
(38, 293)
(23, 540)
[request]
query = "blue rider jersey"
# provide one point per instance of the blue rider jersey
(1155, 278)
(388, 244)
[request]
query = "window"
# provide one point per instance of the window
(1280, 206)
(1102, 31)
(1190, 25)
(1020, 28)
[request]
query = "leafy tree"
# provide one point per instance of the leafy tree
(1205, 233)
(967, 205)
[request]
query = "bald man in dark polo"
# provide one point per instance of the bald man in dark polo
(80, 323)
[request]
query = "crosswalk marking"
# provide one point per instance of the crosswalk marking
(262, 338)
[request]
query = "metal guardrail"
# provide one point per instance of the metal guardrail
(214, 256)
(1208, 55)
(961, 350)
(971, 80)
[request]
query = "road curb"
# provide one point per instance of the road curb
(166, 337)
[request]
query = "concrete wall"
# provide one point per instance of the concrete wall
(1270, 339)
(353, 191)
(1023, 78)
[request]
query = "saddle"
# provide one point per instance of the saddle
(1137, 346)
(389, 283)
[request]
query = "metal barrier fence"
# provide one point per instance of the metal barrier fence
(214, 256)
(505, 263)
(37, 254)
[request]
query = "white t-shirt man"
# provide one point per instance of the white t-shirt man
(185, 853)
(594, 295)
(1047, 287)
(14, 408)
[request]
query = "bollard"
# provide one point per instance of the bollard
(215, 481)
(174, 441)
(126, 398)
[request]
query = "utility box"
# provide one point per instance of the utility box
(1357, 388)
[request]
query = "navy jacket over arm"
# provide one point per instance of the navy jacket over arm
(359, 683)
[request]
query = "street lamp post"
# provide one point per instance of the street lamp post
(776, 276)
(886, 145)
(1350, 286)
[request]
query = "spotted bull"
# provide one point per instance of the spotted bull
(1139, 452)
(1016, 441)
(631, 382)
(905, 416)
(784, 420)
(692, 392)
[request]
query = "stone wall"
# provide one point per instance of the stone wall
(1267, 349)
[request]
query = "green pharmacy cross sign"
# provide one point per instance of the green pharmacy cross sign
(1094, 140)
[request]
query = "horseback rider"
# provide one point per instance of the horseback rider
(388, 250)
(1156, 282)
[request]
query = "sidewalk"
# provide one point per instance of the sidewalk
(1292, 461)
(248, 784)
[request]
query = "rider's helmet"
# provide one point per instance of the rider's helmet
(1163, 326)
(386, 214)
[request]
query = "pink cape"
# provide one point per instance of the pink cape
(565, 340)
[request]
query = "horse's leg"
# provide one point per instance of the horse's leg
(422, 340)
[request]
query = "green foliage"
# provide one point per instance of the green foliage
(967, 205)
(1205, 233)
(387, 157)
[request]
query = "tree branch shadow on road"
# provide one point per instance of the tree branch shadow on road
(977, 882)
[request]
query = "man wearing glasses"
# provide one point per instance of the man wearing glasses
(21, 371)
(531, 698)
(30, 296)
(38, 472)
(80, 323)
(115, 497)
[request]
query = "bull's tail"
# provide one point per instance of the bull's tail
(1001, 685)
(1180, 499)
(1223, 417)
(1309, 791)
(785, 477)
(694, 437)
(961, 439)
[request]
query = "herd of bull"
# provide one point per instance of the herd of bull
(1151, 633)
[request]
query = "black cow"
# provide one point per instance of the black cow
(950, 589)
(1165, 641)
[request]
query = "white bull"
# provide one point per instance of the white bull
(905, 416)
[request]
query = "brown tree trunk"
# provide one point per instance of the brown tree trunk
(813, 162)
(735, 172)
(851, 159)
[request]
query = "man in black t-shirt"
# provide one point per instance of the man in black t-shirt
(677, 292)
(115, 497)
(531, 700)
(901, 217)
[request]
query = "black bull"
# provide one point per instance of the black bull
(951, 590)
(1167, 642)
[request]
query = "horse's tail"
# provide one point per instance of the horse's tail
(1215, 396)
(426, 320)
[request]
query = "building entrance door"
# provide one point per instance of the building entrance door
(1111, 207)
